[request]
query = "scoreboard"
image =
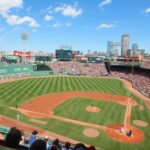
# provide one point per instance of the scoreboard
(65, 55)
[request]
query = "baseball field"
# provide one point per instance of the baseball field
(89, 110)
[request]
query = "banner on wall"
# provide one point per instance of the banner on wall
(20, 54)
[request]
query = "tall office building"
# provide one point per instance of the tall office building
(112, 48)
(125, 41)
(109, 48)
(134, 48)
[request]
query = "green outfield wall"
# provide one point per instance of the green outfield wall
(16, 69)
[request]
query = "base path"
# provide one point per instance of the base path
(45, 104)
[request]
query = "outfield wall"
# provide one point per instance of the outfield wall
(16, 69)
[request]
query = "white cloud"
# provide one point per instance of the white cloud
(105, 26)
(68, 10)
(48, 18)
(5, 10)
(105, 2)
(6, 5)
(147, 10)
(14, 20)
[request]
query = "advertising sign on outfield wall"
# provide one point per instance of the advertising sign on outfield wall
(20, 54)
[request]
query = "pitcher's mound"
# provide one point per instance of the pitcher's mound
(91, 132)
(92, 109)
(140, 123)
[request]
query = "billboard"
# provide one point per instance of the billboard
(20, 54)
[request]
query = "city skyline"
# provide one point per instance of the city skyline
(82, 25)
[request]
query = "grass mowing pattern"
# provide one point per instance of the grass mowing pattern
(20, 91)
(74, 108)
(27, 89)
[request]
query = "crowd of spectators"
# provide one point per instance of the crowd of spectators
(139, 78)
(94, 69)
(17, 139)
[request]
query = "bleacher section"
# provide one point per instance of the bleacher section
(77, 68)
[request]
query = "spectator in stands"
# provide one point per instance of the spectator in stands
(1, 136)
(53, 147)
(33, 137)
(24, 140)
(66, 146)
(38, 144)
(80, 146)
(56, 144)
(91, 147)
(46, 138)
(13, 137)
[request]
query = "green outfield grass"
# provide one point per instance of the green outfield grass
(20, 91)
(75, 108)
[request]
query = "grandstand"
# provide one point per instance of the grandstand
(77, 68)
(140, 79)
(23, 144)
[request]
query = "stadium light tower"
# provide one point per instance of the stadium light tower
(24, 37)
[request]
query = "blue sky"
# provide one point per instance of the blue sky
(82, 24)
